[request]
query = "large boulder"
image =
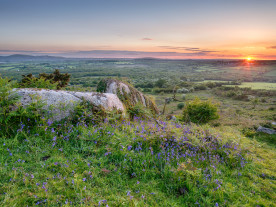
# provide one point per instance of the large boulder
(266, 130)
(126, 93)
(60, 104)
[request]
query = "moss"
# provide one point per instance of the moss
(130, 99)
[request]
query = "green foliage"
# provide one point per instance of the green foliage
(101, 87)
(62, 80)
(200, 112)
(87, 113)
(200, 87)
(180, 105)
(55, 80)
(128, 164)
(138, 110)
(29, 81)
(255, 102)
(13, 117)
(160, 83)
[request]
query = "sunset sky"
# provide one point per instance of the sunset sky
(139, 28)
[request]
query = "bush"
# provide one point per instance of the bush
(147, 90)
(160, 83)
(200, 112)
(56, 80)
(138, 111)
(101, 87)
(30, 81)
(200, 87)
(180, 105)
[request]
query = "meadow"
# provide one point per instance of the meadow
(119, 161)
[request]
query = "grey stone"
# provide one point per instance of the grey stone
(266, 130)
(122, 89)
(61, 104)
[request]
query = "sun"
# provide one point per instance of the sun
(249, 58)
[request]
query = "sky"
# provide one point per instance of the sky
(180, 29)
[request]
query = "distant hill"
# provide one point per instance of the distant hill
(25, 58)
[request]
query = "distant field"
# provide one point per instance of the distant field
(258, 85)
(206, 81)
(271, 73)
(253, 85)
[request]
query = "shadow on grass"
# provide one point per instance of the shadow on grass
(269, 139)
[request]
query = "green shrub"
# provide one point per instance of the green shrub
(87, 113)
(200, 112)
(180, 105)
(33, 82)
(138, 111)
(56, 80)
(200, 87)
(248, 132)
(101, 87)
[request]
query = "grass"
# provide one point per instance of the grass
(135, 164)
(234, 113)
(138, 163)
(257, 85)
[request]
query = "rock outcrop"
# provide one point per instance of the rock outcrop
(266, 130)
(61, 103)
(126, 93)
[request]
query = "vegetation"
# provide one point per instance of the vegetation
(200, 112)
(56, 80)
(100, 158)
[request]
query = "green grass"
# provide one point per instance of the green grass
(84, 165)
(258, 85)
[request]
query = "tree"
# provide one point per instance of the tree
(56, 80)
(57, 77)
(160, 83)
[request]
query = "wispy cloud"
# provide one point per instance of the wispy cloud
(146, 38)
(191, 53)
(19, 51)
(272, 47)
(190, 49)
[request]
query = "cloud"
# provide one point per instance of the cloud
(190, 49)
(19, 51)
(146, 38)
(192, 52)
(129, 54)
(272, 47)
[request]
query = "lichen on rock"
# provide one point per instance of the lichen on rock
(126, 93)
(60, 104)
